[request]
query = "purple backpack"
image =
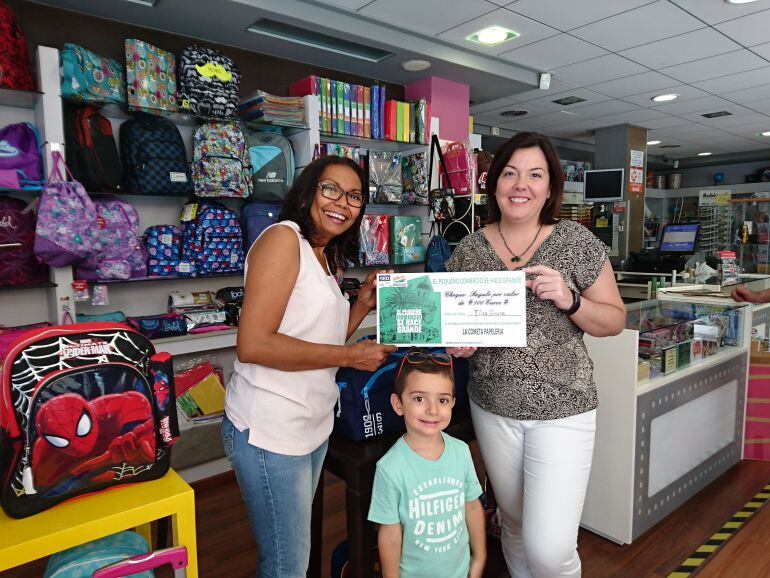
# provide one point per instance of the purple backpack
(21, 166)
(66, 220)
(18, 265)
(118, 250)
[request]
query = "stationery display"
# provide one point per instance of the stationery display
(485, 309)
(406, 240)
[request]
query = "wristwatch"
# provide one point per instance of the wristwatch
(575, 303)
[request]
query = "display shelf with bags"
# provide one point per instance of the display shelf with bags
(19, 98)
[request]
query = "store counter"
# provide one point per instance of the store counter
(672, 389)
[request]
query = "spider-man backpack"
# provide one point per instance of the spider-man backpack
(82, 408)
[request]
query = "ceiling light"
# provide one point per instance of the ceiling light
(665, 97)
(739, 1)
(704, 154)
(492, 36)
(764, 133)
(415, 65)
(297, 35)
(513, 113)
(652, 142)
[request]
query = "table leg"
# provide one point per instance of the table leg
(361, 533)
(316, 530)
(183, 531)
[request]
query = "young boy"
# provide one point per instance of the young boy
(426, 492)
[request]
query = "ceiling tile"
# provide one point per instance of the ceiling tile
(748, 30)
(349, 4)
(683, 48)
(748, 94)
(759, 106)
(493, 116)
(741, 118)
(732, 82)
(599, 69)
(716, 11)
(762, 50)
(605, 108)
(557, 87)
(666, 121)
(554, 13)
(529, 31)
(553, 52)
(649, 23)
(684, 91)
(705, 104)
(715, 66)
(590, 98)
(535, 123)
(426, 16)
(635, 84)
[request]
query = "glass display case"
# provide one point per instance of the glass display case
(674, 335)
(751, 233)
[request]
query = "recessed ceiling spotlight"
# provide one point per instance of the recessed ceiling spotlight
(764, 133)
(739, 1)
(492, 36)
(415, 65)
(665, 97)
(652, 142)
(514, 112)
(706, 154)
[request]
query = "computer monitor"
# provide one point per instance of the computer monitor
(679, 238)
(603, 185)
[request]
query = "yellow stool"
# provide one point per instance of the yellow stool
(97, 515)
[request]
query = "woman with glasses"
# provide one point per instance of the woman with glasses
(534, 407)
(291, 339)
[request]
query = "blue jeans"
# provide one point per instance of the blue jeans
(278, 492)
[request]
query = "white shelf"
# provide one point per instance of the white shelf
(19, 98)
(197, 342)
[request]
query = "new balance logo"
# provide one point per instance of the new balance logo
(272, 175)
(7, 149)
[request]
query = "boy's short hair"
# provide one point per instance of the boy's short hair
(408, 367)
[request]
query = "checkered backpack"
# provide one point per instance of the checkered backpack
(212, 238)
(221, 165)
(154, 157)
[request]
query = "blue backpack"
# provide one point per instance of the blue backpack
(212, 238)
(436, 254)
(256, 217)
(272, 165)
(85, 559)
(364, 410)
(154, 157)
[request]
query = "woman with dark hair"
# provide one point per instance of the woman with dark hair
(534, 407)
(291, 339)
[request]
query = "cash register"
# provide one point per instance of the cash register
(678, 242)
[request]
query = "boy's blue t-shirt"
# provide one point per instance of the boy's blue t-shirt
(428, 498)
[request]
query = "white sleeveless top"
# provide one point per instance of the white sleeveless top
(292, 412)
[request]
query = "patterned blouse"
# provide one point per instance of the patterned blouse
(551, 378)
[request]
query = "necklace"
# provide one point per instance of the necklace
(516, 258)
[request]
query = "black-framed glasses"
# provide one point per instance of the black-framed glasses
(417, 357)
(334, 193)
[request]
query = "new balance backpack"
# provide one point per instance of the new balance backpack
(154, 157)
(212, 238)
(21, 163)
(256, 217)
(91, 148)
(15, 72)
(272, 165)
(208, 83)
(18, 265)
(66, 220)
(88, 77)
(364, 409)
(84, 407)
(221, 165)
(118, 251)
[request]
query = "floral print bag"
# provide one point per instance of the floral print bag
(150, 77)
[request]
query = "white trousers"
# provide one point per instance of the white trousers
(539, 473)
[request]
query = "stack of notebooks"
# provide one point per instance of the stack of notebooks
(264, 107)
(363, 111)
(200, 393)
(578, 213)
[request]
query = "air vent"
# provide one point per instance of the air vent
(669, 146)
(282, 31)
(513, 113)
(567, 100)
(717, 114)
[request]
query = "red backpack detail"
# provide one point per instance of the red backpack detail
(83, 407)
(15, 72)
